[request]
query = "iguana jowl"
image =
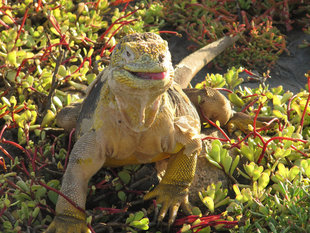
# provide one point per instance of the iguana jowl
(134, 113)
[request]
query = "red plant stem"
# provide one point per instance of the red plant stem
(11, 183)
(11, 18)
(214, 223)
(5, 113)
(34, 159)
(116, 30)
(67, 60)
(49, 48)
(125, 7)
(169, 32)
(21, 66)
(61, 194)
(2, 211)
(22, 25)
(112, 210)
(249, 105)
(4, 24)
(2, 164)
(90, 228)
(255, 118)
(304, 154)
(116, 22)
(224, 89)
(289, 109)
(117, 2)
(18, 146)
(277, 138)
(248, 72)
(249, 96)
(306, 106)
(269, 123)
(25, 169)
(80, 67)
(215, 125)
(42, 166)
(39, 5)
(55, 24)
(6, 153)
(2, 131)
(100, 184)
(97, 4)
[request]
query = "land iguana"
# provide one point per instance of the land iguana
(135, 113)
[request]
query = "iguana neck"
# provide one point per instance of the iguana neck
(138, 113)
(137, 107)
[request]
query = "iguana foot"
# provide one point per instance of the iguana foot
(67, 224)
(171, 197)
(241, 121)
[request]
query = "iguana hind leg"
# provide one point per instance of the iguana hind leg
(210, 104)
(213, 105)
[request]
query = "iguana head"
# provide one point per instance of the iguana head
(141, 62)
(140, 72)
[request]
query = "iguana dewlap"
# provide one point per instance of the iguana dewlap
(134, 113)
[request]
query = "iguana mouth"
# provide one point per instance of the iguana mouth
(150, 76)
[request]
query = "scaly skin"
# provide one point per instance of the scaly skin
(133, 113)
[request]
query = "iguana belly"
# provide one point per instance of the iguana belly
(133, 159)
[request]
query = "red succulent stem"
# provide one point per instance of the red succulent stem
(289, 109)
(3, 210)
(22, 25)
(61, 194)
(4, 24)
(224, 89)
(112, 210)
(215, 125)
(123, 23)
(277, 138)
(299, 151)
(116, 22)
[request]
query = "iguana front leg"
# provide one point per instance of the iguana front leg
(173, 189)
(85, 161)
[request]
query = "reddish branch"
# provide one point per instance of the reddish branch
(205, 221)
(22, 25)
(277, 138)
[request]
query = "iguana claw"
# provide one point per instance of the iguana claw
(171, 197)
(67, 224)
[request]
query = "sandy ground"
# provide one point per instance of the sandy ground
(289, 70)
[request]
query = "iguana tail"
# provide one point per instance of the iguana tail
(190, 65)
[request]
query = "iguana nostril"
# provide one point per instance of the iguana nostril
(161, 58)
